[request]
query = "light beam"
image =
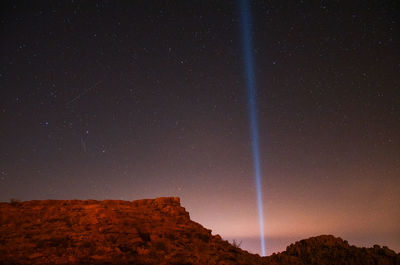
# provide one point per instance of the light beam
(245, 20)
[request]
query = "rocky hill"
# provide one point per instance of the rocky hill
(152, 231)
(155, 231)
(330, 250)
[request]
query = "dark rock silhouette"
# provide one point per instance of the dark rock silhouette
(148, 231)
(330, 250)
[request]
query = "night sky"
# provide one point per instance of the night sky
(142, 99)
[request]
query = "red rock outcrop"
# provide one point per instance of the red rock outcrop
(153, 231)
(330, 250)
(149, 231)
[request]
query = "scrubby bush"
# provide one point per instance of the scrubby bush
(145, 236)
(14, 201)
(236, 244)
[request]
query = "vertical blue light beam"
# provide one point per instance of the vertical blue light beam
(245, 20)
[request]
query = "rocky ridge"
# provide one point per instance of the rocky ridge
(146, 231)
(330, 250)
(150, 231)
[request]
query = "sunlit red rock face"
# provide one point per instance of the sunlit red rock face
(155, 231)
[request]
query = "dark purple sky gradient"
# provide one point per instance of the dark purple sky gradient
(130, 100)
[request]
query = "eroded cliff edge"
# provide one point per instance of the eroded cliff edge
(150, 231)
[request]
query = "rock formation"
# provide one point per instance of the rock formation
(330, 250)
(148, 231)
(155, 231)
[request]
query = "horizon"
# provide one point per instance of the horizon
(135, 100)
(275, 243)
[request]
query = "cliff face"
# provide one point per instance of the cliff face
(155, 231)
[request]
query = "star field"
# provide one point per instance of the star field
(131, 100)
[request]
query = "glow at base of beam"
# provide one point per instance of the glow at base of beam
(252, 106)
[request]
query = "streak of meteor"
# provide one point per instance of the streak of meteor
(245, 20)
(83, 93)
